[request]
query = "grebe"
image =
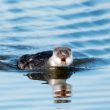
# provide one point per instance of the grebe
(59, 57)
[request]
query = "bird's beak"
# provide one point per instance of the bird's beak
(63, 61)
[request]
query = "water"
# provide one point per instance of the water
(30, 26)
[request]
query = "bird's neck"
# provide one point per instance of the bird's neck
(51, 61)
(54, 61)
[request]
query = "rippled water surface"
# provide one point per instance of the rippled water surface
(30, 26)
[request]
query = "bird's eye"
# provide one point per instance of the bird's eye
(67, 53)
(59, 53)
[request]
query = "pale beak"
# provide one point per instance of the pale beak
(63, 61)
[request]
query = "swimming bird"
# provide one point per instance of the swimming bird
(59, 57)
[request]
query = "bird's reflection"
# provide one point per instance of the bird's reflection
(56, 77)
(57, 80)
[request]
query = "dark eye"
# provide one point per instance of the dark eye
(67, 53)
(59, 53)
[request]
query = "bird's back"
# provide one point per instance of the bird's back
(34, 61)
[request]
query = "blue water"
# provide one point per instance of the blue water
(31, 26)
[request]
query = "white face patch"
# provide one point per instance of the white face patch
(69, 60)
(56, 60)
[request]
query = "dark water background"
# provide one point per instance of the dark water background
(30, 26)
